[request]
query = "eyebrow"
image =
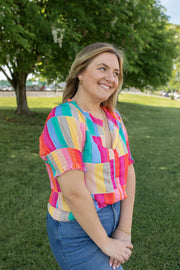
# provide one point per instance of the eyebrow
(107, 66)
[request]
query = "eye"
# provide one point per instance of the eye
(116, 74)
(102, 68)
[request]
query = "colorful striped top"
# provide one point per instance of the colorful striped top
(73, 139)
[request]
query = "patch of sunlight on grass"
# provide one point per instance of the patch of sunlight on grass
(163, 168)
(44, 102)
(51, 102)
(148, 100)
(8, 102)
(33, 102)
(35, 154)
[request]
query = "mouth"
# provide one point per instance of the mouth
(105, 86)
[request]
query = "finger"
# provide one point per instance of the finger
(118, 264)
(122, 260)
(126, 256)
(129, 245)
(128, 252)
(115, 264)
(111, 261)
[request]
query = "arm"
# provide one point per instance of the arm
(127, 205)
(123, 231)
(82, 206)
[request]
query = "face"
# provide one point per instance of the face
(101, 77)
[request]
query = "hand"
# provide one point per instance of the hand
(118, 234)
(119, 251)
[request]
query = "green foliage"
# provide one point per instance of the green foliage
(153, 134)
(140, 28)
(174, 83)
(26, 34)
(150, 57)
(44, 36)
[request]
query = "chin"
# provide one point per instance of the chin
(105, 98)
(101, 100)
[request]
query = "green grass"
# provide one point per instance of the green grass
(153, 126)
(35, 103)
(149, 100)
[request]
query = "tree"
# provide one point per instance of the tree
(26, 37)
(44, 36)
(155, 61)
(174, 82)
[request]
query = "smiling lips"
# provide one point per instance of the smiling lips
(105, 86)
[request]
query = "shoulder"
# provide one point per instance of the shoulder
(67, 110)
(114, 116)
(117, 115)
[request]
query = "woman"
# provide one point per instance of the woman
(85, 146)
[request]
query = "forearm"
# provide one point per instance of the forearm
(82, 206)
(85, 213)
(127, 205)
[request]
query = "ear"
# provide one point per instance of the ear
(80, 76)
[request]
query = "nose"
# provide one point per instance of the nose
(110, 76)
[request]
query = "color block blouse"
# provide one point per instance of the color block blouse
(73, 139)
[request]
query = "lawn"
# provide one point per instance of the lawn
(153, 126)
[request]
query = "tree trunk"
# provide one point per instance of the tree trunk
(20, 90)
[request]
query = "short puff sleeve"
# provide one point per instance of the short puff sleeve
(61, 144)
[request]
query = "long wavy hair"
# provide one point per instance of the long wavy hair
(82, 60)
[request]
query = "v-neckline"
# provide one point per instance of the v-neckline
(113, 132)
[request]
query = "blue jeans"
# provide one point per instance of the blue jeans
(72, 247)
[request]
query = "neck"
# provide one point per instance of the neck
(87, 105)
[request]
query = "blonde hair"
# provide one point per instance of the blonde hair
(82, 60)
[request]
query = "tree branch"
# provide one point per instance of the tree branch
(3, 71)
(10, 69)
